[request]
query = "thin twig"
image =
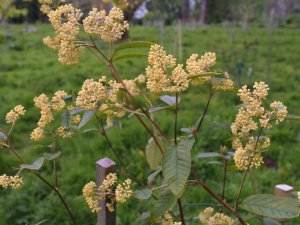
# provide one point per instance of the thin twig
(176, 119)
(215, 196)
(118, 79)
(211, 93)
(181, 211)
(246, 172)
(53, 150)
(224, 177)
(48, 184)
(128, 173)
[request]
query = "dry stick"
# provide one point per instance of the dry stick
(49, 185)
(215, 196)
(246, 172)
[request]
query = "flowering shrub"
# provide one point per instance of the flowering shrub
(111, 98)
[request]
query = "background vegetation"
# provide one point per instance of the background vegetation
(28, 68)
(253, 40)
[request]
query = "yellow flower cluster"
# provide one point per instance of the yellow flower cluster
(42, 102)
(222, 84)
(15, 182)
(45, 6)
(159, 76)
(123, 191)
(208, 217)
(132, 87)
(13, 115)
(90, 194)
(64, 132)
(168, 220)
(251, 116)
(94, 194)
(75, 119)
(91, 93)
(197, 66)
(65, 21)
(110, 27)
(57, 101)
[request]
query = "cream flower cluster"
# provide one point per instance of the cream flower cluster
(90, 194)
(159, 77)
(208, 217)
(64, 132)
(222, 84)
(13, 115)
(45, 6)
(196, 66)
(107, 96)
(168, 220)
(65, 21)
(91, 93)
(46, 106)
(15, 182)
(94, 194)
(110, 27)
(251, 116)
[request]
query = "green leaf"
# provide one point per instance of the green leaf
(170, 100)
(153, 175)
(34, 166)
(51, 156)
(134, 44)
(3, 139)
(292, 117)
(86, 118)
(143, 194)
(43, 221)
(3, 136)
(270, 206)
(144, 219)
(153, 154)
(269, 221)
(76, 110)
(128, 55)
(205, 74)
(187, 130)
(166, 201)
(176, 165)
(65, 119)
(208, 155)
(157, 108)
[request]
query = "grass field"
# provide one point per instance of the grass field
(28, 68)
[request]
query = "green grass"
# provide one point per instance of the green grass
(28, 68)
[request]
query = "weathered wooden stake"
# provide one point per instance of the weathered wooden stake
(283, 190)
(103, 168)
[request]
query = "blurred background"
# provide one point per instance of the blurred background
(257, 40)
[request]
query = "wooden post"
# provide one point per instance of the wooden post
(283, 190)
(104, 167)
